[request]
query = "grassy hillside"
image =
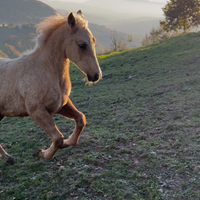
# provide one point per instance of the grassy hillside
(142, 136)
(23, 11)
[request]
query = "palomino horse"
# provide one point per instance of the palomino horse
(37, 84)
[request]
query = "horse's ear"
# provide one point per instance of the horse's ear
(71, 20)
(81, 14)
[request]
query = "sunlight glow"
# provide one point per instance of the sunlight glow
(74, 1)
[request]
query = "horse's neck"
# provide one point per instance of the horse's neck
(54, 57)
(52, 52)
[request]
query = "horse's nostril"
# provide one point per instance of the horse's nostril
(93, 79)
(96, 77)
(89, 77)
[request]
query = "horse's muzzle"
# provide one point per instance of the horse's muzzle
(93, 79)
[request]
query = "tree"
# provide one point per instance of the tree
(113, 37)
(129, 38)
(146, 41)
(156, 35)
(118, 44)
(181, 15)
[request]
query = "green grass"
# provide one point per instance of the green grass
(142, 139)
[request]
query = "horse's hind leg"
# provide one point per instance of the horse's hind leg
(3, 154)
(70, 111)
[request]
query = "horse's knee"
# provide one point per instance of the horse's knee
(81, 120)
(58, 142)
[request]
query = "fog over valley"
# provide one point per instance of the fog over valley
(135, 17)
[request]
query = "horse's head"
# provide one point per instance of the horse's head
(81, 47)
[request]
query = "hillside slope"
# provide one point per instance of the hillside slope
(142, 135)
(23, 11)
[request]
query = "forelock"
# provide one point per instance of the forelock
(50, 24)
(81, 22)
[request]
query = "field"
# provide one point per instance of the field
(141, 141)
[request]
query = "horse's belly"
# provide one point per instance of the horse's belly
(11, 111)
(12, 106)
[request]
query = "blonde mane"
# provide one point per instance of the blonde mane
(50, 24)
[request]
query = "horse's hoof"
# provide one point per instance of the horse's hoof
(37, 153)
(10, 160)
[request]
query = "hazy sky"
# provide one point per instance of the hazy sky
(135, 8)
(162, 1)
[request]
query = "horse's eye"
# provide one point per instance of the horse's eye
(83, 46)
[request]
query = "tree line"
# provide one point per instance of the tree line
(180, 17)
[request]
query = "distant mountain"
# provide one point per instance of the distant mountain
(23, 11)
(137, 26)
(139, 18)
(98, 13)
(15, 39)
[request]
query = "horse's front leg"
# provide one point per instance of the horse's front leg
(45, 121)
(70, 111)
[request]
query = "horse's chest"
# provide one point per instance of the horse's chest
(56, 99)
(65, 89)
